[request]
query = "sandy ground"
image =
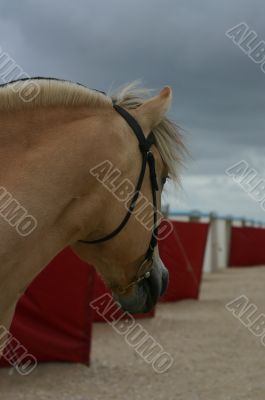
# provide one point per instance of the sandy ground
(216, 357)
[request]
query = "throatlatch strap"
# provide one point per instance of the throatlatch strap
(145, 145)
(154, 187)
(130, 210)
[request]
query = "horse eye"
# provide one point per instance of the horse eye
(164, 179)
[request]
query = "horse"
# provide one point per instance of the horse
(55, 189)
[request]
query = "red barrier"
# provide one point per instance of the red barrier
(53, 319)
(113, 313)
(182, 253)
(247, 246)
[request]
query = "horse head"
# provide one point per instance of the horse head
(141, 150)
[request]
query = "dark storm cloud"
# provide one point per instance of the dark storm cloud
(218, 91)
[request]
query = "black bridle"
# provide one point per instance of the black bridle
(147, 158)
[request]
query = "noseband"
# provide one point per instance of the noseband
(147, 158)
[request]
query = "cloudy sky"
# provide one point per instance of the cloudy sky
(218, 90)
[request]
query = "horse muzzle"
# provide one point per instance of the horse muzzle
(145, 294)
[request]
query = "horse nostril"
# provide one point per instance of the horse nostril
(164, 281)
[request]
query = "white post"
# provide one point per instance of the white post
(228, 226)
(214, 242)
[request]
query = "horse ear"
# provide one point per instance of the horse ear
(152, 111)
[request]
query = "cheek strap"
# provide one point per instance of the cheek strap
(147, 158)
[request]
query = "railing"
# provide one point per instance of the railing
(223, 234)
(198, 215)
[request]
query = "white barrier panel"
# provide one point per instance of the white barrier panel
(218, 245)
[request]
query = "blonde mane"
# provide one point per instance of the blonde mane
(20, 94)
(42, 92)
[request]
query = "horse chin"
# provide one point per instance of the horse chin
(139, 300)
(146, 293)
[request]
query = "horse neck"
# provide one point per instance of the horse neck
(44, 163)
(47, 137)
(21, 130)
(48, 155)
